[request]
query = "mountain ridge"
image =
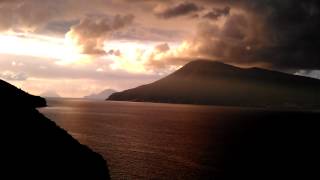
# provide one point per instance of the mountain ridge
(214, 83)
(101, 95)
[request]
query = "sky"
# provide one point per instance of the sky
(80, 47)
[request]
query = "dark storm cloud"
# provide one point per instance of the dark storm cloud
(216, 13)
(176, 10)
(278, 34)
(292, 30)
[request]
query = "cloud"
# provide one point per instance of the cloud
(290, 29)
(92, 31)
(227, 42)
(50, 69)
(37, 15)
(156, 60)
(232, 42)
(142, 33)
(162, 47)
(56, 27)
(216, 13)
(176, 10)
(74, 80)
(13, 76)
(29, 15)
(114, 52)
(275, 34)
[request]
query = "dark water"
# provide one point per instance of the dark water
(164, 141)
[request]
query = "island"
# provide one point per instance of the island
(207, 82)
(101, 95)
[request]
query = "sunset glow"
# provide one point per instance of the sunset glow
(107, 40)
(132, 55)
(39, 46)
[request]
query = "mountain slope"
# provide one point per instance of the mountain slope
(102, 95)
(215, 83)
(10, 95)
(33, 147)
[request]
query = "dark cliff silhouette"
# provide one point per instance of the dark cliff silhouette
(33, 147)
(12, 96)
(215, 83)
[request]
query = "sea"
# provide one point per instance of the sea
(142, 140)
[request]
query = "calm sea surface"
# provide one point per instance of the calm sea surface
(154, 141)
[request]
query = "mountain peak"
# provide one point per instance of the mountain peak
(206, 68)
(203, 63)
